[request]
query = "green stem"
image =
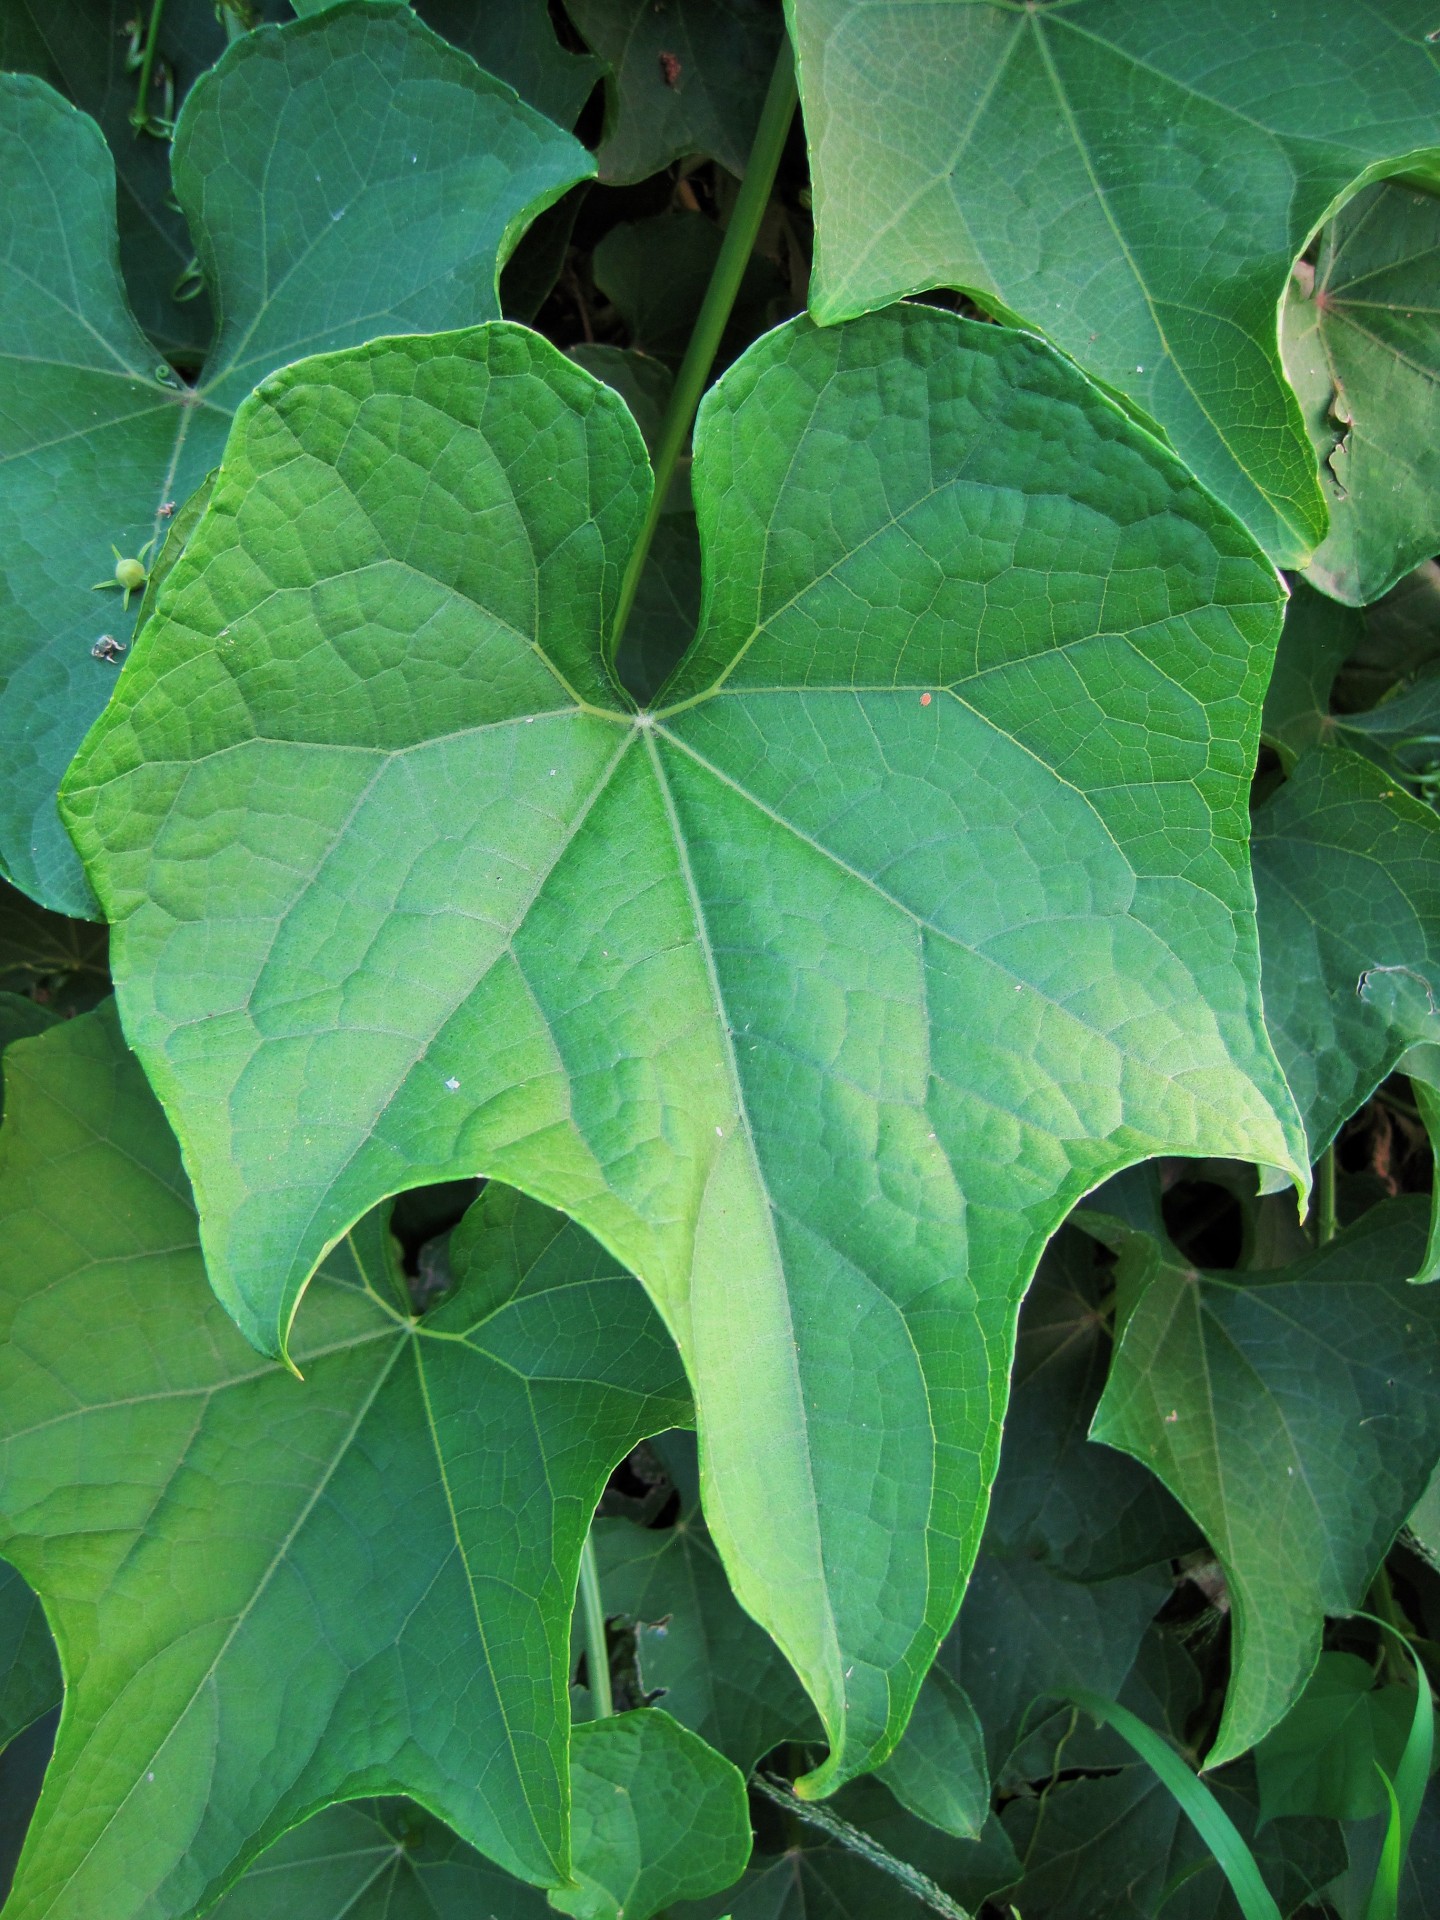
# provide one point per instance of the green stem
(140, 113)
(1325, 1198)
(735, 250)
(597, 1652)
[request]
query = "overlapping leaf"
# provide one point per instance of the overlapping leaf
(343, 177)
(516, 42)
(685, 77)
(1087, 1512)
(658, 1817)
(1135, 178)
(1362, 349)
(1347, 875)
(29, 1676)
(377, 1860)
(712, 1667)
(1297, 1417)
(920, 905)
(86, 50)
(376, 1598)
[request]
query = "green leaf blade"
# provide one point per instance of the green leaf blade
(636, 946)
(408, 176)
(356, 1614)
(1296, 1417)
(1360, 350)
(1062, 164)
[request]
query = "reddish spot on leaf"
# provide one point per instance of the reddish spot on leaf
(670, 69)
(924, 699)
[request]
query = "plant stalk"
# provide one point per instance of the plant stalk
(597, 1651)
(140, 114)
(1325, 1197)
(735, 250)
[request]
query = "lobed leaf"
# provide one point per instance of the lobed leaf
(1358, 331)
(686, 78)
(1349, 901)
(377, 1600)
(83, 48)
(1322, 1757)
(1134, 178)
(1296, 1416)
(707, 1661)
(343, 177)
(376, 1860)
(918, 905)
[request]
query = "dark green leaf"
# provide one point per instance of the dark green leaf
(717, 1672)
(659, 310)
(1297, 1417)
(1318, 637)
(377, 1860)
(1118, 1845)
(1359, 333)
(686, 77)
(29, 1672)
(1025, 1636)
(938, 1770)
(1321, 1758)
(84, 49)
(344, 177)
(516, 42)
(21, 1019)
(1401, 641)
(766, 990)
(59, 964)
(1133, 176)
(658, 1816)
(350, 1607)
(390, 1860)
(22, 1769)
(533, 269)
(872, 1865)
(1347, 878)
(1088, 1512)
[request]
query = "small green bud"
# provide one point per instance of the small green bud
(130, 574)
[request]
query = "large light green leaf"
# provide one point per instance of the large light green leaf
(269, 1595)
(1297, 1417)
(686, 77)
(1347, 874)
(1359, 331)
(343, 177)
(819, 995)
(1134, 177)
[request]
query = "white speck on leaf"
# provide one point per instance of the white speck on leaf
(452, 1085)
